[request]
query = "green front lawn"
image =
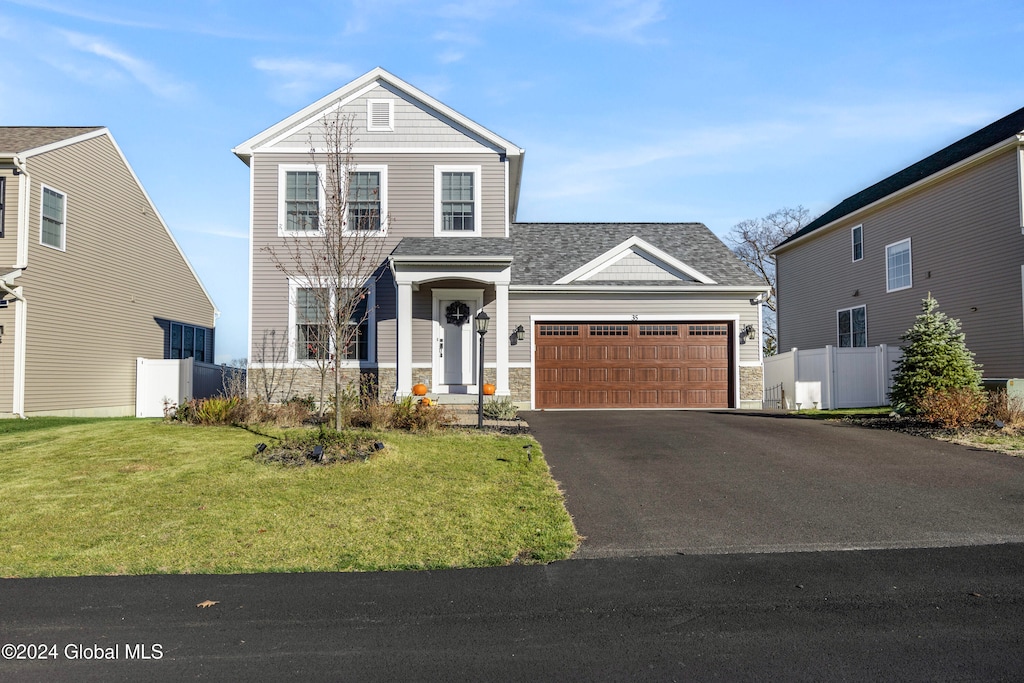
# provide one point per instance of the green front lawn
(127, 496)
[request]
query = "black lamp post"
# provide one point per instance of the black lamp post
(481, 328)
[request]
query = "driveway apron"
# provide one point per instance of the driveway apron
(680, 482)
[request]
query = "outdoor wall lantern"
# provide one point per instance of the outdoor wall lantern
(518, 335)
(482, 319)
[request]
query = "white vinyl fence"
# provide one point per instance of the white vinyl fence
(161, 382)
(832, 377)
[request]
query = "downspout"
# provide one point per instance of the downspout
(20, 306)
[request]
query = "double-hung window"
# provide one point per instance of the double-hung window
(367, 199)
(52, 231)
(300, 199)
(457, 200)
(311, 333)
(857, 238)
(852, 325)
(314, 309)
(897, 266)
(187, 341)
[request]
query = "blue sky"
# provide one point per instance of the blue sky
(629, 110)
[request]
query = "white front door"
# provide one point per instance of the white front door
(453, 340)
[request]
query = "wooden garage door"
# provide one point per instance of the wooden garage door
(632, 365)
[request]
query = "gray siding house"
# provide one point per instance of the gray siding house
(582, 315)
(90, 277)
(951, 224)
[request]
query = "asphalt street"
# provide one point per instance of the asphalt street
(920, 615)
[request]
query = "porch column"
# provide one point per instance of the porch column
(501, 342)
(404, 370)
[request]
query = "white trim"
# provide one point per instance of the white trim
(20, 353)
(647, 289)
(382, 170)
(389, 127)
(296, 283)
(642, 248)
(64, 219)
(306, 151)
(24, 199)
(478, 218)
(353, 90)
(43, 149)
(936, 177)
(252, 248)
(282, 215)
(853, 242)
(508, 220)
(910, 254)
(476, 299)
(1020, 182)
(851, 309)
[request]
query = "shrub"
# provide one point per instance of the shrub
(935, 358)
(503, 408)
(1009, 410)
(954, 408)
(297, 449)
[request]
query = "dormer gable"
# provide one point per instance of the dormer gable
(635, 260)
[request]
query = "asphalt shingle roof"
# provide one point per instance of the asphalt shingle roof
(544, 252)
(980, 140)
(15, 139)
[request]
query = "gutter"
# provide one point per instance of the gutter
(898, 194)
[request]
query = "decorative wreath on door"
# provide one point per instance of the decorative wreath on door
(457, 313)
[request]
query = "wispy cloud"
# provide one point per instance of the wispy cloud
(121, 63)
(299, 79)
(217, 231)
(621, 20)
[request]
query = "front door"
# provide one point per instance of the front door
(453, 344)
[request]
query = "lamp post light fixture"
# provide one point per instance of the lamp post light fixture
(481, 328)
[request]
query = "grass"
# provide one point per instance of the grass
(127, 496)
(842, 412)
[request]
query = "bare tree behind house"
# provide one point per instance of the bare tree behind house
(274, 377)
(751, 240)
(334, 247)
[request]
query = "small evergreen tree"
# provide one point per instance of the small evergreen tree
(935, 358)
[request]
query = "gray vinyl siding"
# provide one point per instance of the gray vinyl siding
(414, 127)
(411, 214)
(8, 257)
(670, 307)
(7, 361)
(93, 308)
(966, 249)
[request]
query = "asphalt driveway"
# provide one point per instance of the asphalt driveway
(693, 482)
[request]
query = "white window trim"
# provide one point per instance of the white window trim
(910, 253)
(383, 171)
(478, 221)
(851, 309)
(282, 218)
(369, 116)
(853, 242)
(64, 218)
(295, 284)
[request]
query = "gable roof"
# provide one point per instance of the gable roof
(1002, 131)
(22, 139)
(547, 252)
(542, 254)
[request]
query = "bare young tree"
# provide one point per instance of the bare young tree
(751, 240)
(334, 248)
(274, 377)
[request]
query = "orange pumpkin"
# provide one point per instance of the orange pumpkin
(419, 389)
(425, 402)
(489, 389)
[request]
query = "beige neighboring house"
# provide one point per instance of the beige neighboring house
(90, 277)
(582, 315)
(951, 224)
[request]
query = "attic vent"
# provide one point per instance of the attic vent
(380, 115)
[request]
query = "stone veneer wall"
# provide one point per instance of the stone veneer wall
(751, 387)
(302, 382)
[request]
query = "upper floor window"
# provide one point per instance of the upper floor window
(857, 237)
(852, 326)
(897, 266)
(299, 201)
(367, 199)
(457, 200)
(380, 115)
(187, 341)
(54, 219)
